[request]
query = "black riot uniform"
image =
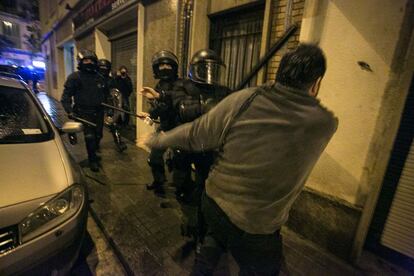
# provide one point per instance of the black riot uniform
(165, 68)
(113, 118)
(192, 98)
(83, 93)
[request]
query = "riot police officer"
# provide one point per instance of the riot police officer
(104, 68)
(112, 117)
(198, 94)
(191, 98)
(165, 69)
(83, 93)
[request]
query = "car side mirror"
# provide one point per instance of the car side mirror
(72, 127)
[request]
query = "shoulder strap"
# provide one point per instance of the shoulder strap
(246, 104)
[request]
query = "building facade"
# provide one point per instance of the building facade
(14, 33)
(370, 71)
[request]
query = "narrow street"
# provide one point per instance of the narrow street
(134, 232)
(260, 136)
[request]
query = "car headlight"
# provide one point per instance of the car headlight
(52, 213)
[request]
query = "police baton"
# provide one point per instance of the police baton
(129, 112)
(82, 120)
(123, 110)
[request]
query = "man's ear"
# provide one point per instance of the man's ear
(314, 89)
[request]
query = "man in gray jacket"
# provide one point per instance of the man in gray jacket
(268, 139)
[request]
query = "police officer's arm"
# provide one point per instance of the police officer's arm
(154, 111)
(70, 87)
(205, 133)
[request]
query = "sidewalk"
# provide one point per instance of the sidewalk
(148, 237)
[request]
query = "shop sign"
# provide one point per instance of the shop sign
(95, 10)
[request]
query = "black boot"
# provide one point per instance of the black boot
(159, 191)
(73, 138)
(121, 146)
(157, 187)
(154, 185)
(94, 166)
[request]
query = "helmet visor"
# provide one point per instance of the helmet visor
(208, 72)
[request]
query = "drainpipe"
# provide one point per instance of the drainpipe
(288, 20)
(288, 17)
(187, 15)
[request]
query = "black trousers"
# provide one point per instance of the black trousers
(93, 135)
(125, 106)
(254, 254)
(182, 162)
(156, 162)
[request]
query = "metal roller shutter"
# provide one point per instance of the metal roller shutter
(124, 52)
(398, 232)
(392, 226)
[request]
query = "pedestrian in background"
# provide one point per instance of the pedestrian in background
(268, 140)
(123, 83)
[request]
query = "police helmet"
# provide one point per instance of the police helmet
(104, 66)
(206, 67)
(165, 57)
(87, 54)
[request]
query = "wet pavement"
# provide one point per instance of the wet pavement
(141, 232)
(96, 256)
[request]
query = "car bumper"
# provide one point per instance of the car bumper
(53, 251)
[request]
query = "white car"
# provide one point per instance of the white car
(43, 197)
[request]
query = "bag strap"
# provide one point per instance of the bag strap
(246, 104)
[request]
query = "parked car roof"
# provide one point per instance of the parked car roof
(10, 75)
(8, 68)
(11, 82)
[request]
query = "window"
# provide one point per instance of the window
(10, 29)
(20, 119)
(236, 37)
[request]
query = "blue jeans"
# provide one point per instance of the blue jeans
(255, 254)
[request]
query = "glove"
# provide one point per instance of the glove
(73, 138)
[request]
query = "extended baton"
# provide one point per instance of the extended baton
(123, 110)
(129, 112)
(82, 120)
(263, 61)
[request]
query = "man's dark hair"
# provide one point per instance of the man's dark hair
(302, 67)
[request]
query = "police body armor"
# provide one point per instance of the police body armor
(114, 117)
(115, 99)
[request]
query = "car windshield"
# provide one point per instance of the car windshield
(21, 121)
